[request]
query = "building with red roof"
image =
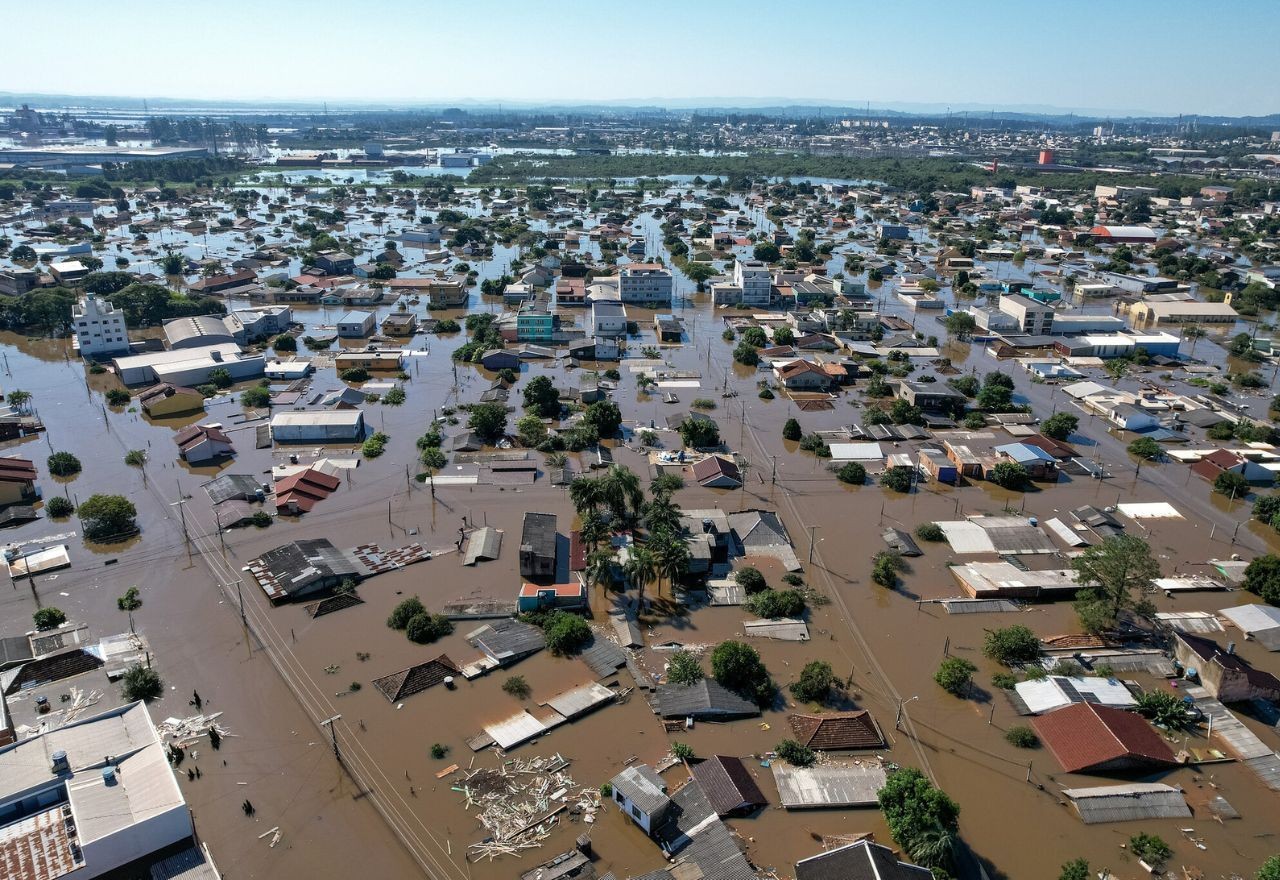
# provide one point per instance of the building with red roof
(1087, 738)
(299, 492)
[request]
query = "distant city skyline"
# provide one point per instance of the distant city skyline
(1092, 56)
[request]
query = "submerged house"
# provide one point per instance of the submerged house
(538, 545)
(1223, 673)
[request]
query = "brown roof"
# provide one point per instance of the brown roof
(1051, 446)
(193, 434)
(713, 466)
(1085, 736)
(728, 785)
(837, 731)
(1211, 652)
(17, 470)
(416, 679)
(164, 391)
(303, 489)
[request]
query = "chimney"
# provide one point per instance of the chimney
(60, 763)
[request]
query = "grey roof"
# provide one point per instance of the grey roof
(713, 855)
(828, 785)
(539, 534)
(508, 640)
(863, 860)
(300, 566)
(728, 784)
(642, 786)
(483, 544)
(14, 649)
(226, 487)
(190, 864)
(899, 540)
(603, 657)
(758, 528)
(1126, 803)
(706, 698)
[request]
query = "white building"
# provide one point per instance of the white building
(608, 319)
(91, 796)
(641, 794)
(356, 324)
(645, 283)
(100, 328)
(189, 366)
(752, 285)
(319, 426)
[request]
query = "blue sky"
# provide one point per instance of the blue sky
(1172, 56)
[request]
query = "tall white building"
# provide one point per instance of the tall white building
(644, 283)
(99, 328)
(756, 282)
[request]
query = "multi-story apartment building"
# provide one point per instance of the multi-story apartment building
(645, 283)
(99, 327)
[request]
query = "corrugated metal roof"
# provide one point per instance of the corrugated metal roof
(828, 785)
(483, 544)
(1127, 803)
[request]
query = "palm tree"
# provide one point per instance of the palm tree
(586, 494)
(641, 569)
(599, 568)
(671, 555)
(594, 529)
(621, 493)
(661, 515)
(933, 846)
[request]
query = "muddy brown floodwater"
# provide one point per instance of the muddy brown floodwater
(278, 677)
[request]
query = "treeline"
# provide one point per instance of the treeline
(191, 170)
(916, 175)
(47, 312)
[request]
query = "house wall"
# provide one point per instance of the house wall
(641, 818)
(136, 841)
(13, 493)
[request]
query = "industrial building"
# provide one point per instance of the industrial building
(189, 366)
(320, 426)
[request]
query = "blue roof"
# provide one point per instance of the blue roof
(1024, 453)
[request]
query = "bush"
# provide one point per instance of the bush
(815, 444)
(221, 378)
(565, 633)
(975, 421)
(447, 325)
(775, 604)
(750, 579)
(108, 517)
(1165, 709)
(897, 478)
(517, 687)
(746, 354)
(1011, 645)
(765, 394)
(852, 473)
(438, 751)
(791, 579)
(922, 819)
(795, 754)
(815, 682)
(683, 751)
(738, 667)
(285, 343)
(699, 433)
(684, 668)
(703, 403)
(255, 398)
(930, 531)
(354, 374)
(118, 397)
(405, 611)
(63, 464)
(791, 430)
(375, 445)
(261, 519)
(57, 506)
(49, 617)
(1076, 869)
(141, 683)
(489, 420)
(1022, 737)
(135, 457)
(1151, 849)
(1004, 680)
(426, 628)
(1270, 869)
(955, 675)
(432, 458)
(394, 397)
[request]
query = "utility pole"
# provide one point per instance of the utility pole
(183, 514)
(811, 531)
(333, 735)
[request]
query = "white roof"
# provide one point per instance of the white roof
(1080, 390)
(1059, 690)
(1150, 510)
(355, 317)
(318, 417)
(1253, 618)
(856, 452)
(228, 351)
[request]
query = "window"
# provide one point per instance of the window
(617, 795)
(635, 811)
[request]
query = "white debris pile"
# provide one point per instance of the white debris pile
(521, 801)
(186, 731)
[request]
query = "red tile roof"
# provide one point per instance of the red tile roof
(837, 731)
(1086, 737)
(304, 489)
(568, 591)
(714, 466)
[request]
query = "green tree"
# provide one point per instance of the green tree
(604, 416)
(118, 397)
(129, 603)
(405, 611)
(1077, 869)
(63, 464)
(1009, 475)
(141, 683)
(49, 617)
(767, 252)
(1151, 848)
(684, 668)
(815, 682)
(256, 397)
(930, 531)
(897, 478)
(784, 336)
(1270, 869)
(285, 344)
(1262, 578)
(1059, 426)
(530, 430)
(921, 819)
(750, 579)
(1231, 484)
(541, 397)
(1164, 708)
(517, 687)
(489, 420)
(775, 604)
(738, 667)
(1118, 572)
(746, 354)
(885, 568)
(955, 675)
(565, 633)
(960, 324)
(220, 377)
(108, 517)
(795, 754)
(791, 430)
(1145, 448)
(1011, 645)
(852, 473)
(425, 628)
(699, 433)
(57, 506)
